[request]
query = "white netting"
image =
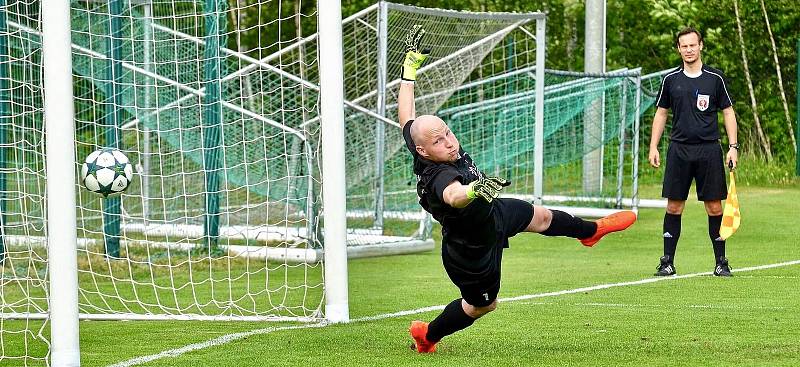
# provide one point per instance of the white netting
(497, 117)
(217, 104)
(224, 171)
(464, 47)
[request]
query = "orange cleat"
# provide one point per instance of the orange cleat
(611, 223)
(421, 344)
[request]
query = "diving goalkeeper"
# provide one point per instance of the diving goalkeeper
(476, 224)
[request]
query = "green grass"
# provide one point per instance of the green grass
(748, 320)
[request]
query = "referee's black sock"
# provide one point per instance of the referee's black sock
(714, 222)
(564, 224)
(452, 319)
(672, 232)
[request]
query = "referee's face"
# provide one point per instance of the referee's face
(689, 46)
(436, 142)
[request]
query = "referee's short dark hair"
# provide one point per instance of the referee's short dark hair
(686, 31)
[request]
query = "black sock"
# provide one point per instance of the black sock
(452, 319)
(672, 232)
(714, 222)
(564, 224)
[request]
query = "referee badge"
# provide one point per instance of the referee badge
(702, 102)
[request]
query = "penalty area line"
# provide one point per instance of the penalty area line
(241, 335)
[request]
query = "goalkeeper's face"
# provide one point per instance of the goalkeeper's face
(434, 139)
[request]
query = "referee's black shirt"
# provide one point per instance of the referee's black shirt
(694, 103)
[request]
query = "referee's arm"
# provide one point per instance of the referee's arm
(659, 122)
(729, 118)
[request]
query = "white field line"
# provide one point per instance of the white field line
(654, 306)
(210, 343)
(767, 277)
(241, 335)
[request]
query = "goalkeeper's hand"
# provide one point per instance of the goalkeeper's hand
(414, 56)
(486, 188)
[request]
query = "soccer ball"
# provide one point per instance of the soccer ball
(107, 172)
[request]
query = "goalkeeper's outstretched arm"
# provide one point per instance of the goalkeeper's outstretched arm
(413, 60)
(405, 103)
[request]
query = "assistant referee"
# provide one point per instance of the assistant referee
(695, 93)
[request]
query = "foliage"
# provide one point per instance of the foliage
(640, 33)
(756, 171)
(751, 171)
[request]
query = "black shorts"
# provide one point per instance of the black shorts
(480, 284)
(700, 162)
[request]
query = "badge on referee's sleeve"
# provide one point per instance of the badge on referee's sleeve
(730, 216)
(702, 101)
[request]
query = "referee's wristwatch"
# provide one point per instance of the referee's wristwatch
(734, 146)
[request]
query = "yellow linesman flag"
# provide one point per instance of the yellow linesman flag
(730, 216)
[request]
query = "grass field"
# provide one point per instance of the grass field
(749, 320)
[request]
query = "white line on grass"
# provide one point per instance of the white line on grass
(767, 277)
(641, 305)
(210, 343)
(241, 335)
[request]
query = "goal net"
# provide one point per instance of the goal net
(464, 46)
(589, 155)
(218, 105)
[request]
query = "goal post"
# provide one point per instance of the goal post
(215, 22)
(60, 162)
(538, 144)
(112, 118)
(333, 167)
(5, 119)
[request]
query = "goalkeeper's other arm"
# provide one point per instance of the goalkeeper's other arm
(413, 60)
(485, 188)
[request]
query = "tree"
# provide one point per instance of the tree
(779, 75)
(639, 34)
(764, 139)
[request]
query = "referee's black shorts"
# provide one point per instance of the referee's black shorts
(702, 163)
(475, 268)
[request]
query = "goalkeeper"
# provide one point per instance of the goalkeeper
(476, 224)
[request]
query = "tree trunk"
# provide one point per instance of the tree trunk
(764, 139)
(780, 78)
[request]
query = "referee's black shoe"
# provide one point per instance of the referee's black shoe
(665, 268)
(722, 269)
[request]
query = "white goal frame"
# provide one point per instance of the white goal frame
(60, 152)
(62, 240)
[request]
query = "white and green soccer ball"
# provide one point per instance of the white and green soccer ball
(107, 171)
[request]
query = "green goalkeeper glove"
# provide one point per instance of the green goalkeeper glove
(486, 188)
(414, 57)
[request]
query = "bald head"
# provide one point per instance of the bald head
(434, 140)
(426, 126)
